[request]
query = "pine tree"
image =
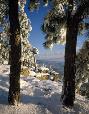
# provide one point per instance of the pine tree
(65, 14)
(24, 55)
(4, 48)
(15, 54)
(82, 65)
(4, 34)
(27, 56)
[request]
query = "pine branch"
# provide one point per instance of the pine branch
(81, 9)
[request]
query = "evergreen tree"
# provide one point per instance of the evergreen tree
(27, 57)
(12, 41)
(4, 34)
(4, 48)
(71, 20)
(15, 53)
(25, 28)
(66, 14)
(82, 65)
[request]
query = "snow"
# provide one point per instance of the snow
(37, 97)
(42, 74)
(32, 73)
(44, 68)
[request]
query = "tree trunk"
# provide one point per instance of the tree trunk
(15, 53)
(68, 96)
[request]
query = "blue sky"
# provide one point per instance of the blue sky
(37, 36)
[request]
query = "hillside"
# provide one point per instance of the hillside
(37, 97)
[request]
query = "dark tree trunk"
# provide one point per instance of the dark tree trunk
(68, 96)
(15, 53)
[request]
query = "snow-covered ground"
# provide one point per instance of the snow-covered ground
(37, 97)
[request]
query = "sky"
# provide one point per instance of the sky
(37, 36)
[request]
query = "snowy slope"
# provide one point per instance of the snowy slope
(37, 97)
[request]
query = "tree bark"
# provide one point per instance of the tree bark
(68, 96)
(15, 53)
